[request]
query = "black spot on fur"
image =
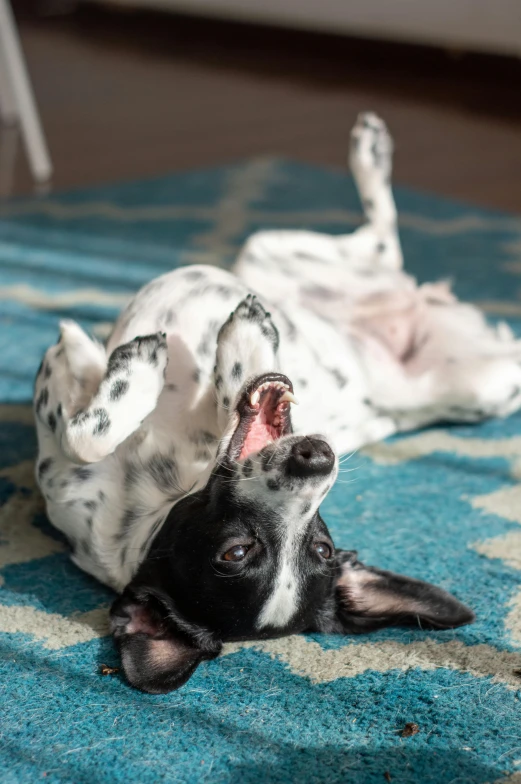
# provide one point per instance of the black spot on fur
(43, 399)
(247, 468)
(47, 373)
(80, 417)
(59, 353)
(340, 379)
(218, 381)
(127, 522)
(302, 382)
(163, 472)
(90, 505)
(123, 556)
(271, 333)
(132, 474)
(207, 344)
(101, 496)
(168, 317)
(89, 522)
(120, 359)
(204, 349)
(212, 288)
(82, 473)
(118, 389)
(59, 411)
(267, 457)
(381, 247)
(103, 422)
(305, 508)
(273, 484)
(193, 275)
(196, 375)
(51, 421)
(237, 371)
(203, 438)
(226, 402)
(44, 466)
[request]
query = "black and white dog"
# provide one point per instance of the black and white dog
(170, 459)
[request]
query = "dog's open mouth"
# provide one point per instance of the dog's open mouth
(264, 411)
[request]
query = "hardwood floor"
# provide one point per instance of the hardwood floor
(125, 95)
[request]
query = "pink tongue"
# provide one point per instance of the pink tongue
(259, 435)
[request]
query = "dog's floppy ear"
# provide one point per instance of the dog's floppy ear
(159, 650)
(367, 599)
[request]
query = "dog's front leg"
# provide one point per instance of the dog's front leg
(90, 404)
(247, 346)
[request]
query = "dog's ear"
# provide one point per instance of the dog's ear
(159, 650)
(367, 599)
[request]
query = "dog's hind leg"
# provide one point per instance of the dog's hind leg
(247, 346)
(279, 263)
(90, 403)
(370, 160)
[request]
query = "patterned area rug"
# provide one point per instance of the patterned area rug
(444, 505)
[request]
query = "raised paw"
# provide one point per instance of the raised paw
(150, 350)
(127, 394)
(371, 146)
(251, 312)
(246, 347)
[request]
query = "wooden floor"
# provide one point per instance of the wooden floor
(126, 95)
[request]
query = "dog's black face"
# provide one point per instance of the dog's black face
(249, 557)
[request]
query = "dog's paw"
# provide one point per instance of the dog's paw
(151, 350)
(250, 313)
(371, 146)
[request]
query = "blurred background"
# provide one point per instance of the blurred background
(136, 88)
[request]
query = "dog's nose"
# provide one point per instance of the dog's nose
(310, 457)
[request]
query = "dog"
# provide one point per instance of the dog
(179, 467)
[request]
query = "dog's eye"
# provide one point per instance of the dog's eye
(323, 549)
(236, 553)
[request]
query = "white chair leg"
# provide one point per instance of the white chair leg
(17, 78)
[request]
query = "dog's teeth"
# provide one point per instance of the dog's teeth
(288, 397)
(254, 399)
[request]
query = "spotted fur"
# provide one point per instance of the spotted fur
(135, 437)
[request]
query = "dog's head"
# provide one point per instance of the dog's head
(249, 556)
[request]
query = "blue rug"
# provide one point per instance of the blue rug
(444, 505)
